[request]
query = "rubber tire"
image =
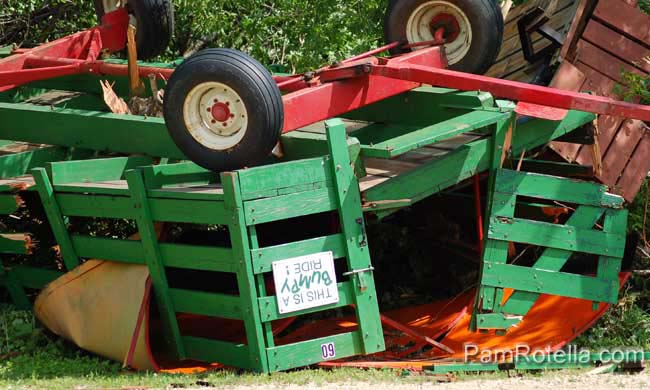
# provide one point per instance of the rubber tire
(155, 21)
(487, 30)
(258, 91)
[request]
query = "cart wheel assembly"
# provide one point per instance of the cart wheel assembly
(473, 29)
(223, 110)
(154, 20)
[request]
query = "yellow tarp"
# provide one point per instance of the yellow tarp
(97, 306)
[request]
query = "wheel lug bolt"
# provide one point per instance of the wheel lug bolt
(214, 121)
(232, 115)
(227, 103)
(209, 109)
(225, 124)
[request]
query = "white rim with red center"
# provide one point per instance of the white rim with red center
(419, 28)
(215, 116)
(112, 5)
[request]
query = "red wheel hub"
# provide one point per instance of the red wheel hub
(447, 24)
(220, 112)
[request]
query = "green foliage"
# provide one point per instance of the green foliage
(299, 34)
(18, 333)
(28, 23)
(634, 86)
(625, 325)
(645, 6)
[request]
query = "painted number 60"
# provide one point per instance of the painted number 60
(328, 351)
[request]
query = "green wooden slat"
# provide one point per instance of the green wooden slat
(551, 235)
(246, 281)
(214, 351)
(260, 283)
(88, 171)
(9, 204)
(348, 202)
(269, 305)
(18, 164)
(87, 129)
(201, 258)
(263, 258)
(158, 176)
(54, 214)
(14, 243)
(434, 133)
(489, 298)
(162, 210)
(34, 278)
(309, 352)
(94, 206)
(97, 190)
(260, 180)
(422, 106)
(290, 206)
(189, 193)
(556, 188)
(17, 293)
(496, 321)
(206, 304)
(549, 282)
(303, 145)
(189, 211)
(153, 259)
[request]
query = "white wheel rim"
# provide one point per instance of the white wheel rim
(418, 28)
(215, 116)
(112, 5)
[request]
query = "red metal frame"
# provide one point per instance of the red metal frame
(318, 95)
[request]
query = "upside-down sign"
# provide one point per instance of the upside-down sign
(305, 282)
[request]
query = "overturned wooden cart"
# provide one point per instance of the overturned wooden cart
(287, 236)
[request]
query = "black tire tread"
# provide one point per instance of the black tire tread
(259, 80)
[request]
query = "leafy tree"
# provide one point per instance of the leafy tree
(299, 34)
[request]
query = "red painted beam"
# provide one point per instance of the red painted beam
(513, 90)
(328, 100)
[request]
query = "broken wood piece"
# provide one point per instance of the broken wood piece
(136, 85)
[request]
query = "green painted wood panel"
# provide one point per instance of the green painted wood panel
(556, 188)
(309, 352)
(289, 206)
(433, 133)
(206, 304)
(87, 129)
(260, 180)
(200, 258)
(549, 282)
(235, 355)
(88, 171)
(550, 235)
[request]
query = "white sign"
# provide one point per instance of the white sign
(305, 282)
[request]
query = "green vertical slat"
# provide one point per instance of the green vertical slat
(54, 216)
(261, 287)
(245, 275)
(495, 251)
(352, 222)
(609, 267)
(15, 289)
(153, 259)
